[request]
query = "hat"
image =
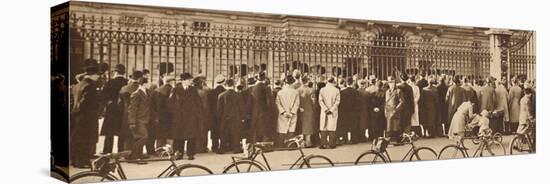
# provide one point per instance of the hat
(290, 79)
(103, 67)
(89, 62)
(230, 82)
(331, 80)
(404, 77)
(261, 76)
(186, 76)
(92, 69)
(120, 68)
(219, 79)
(251, 81)
(137, 75)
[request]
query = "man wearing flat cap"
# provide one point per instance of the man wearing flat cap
(85, 112)
(215, 131)
(187, 115)
(113, 110)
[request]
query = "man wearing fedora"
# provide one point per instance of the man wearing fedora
(215, 131)
(85, 112)
(113, 110)
(187, 114)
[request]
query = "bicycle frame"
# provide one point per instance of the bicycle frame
(409, 153)
(296, 163)
(479, 149)
(169, 169)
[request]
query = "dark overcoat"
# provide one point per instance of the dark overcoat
(163, 108)
(124, 100)
(348, 111)
(260, 101)
(187, 113)
(113, 109)
(428, 113)
(139, 114)
(456, 95)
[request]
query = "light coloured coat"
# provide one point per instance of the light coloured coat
(288, 102)
(329, 99)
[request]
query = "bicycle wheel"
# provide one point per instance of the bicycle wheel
(370, 157)
(91, 177)
(493, 148)
(243, 166)
(423, 153)
(451, 152)
(190, 170)
(519, 145)
(316, 161)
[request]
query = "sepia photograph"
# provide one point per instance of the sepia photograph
(141, 92)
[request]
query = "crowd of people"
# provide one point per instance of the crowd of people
(186, 113)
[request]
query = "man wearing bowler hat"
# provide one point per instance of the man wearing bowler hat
(187, 114)
(85, 112)
(113, 110)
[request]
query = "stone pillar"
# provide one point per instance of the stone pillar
(500, 56)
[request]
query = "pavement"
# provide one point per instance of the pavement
(343, 155)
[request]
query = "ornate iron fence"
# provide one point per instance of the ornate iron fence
(209, 49)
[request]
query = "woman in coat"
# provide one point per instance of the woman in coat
(514, 96)
(462, 116)
(306, 116)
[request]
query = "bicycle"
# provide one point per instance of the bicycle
(379, 152)
(250, 164)
(524, 142)
(104, 167)
(57, 172)
(488, 145)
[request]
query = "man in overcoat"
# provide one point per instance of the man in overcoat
(124, 99)
(163, 108)
(85, 112)
(393, 109)
(427, 109)
(187, 116)
(348, 115)
(288, 103)
(215, 131)
(230, 120)
(139, 114)
(113, 110)
(329, 100)
(260, 99)
(456, 95)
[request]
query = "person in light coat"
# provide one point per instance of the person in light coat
(415, 122)
(329, 99)
(501, 105)
(288, 103)
(514, 96)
